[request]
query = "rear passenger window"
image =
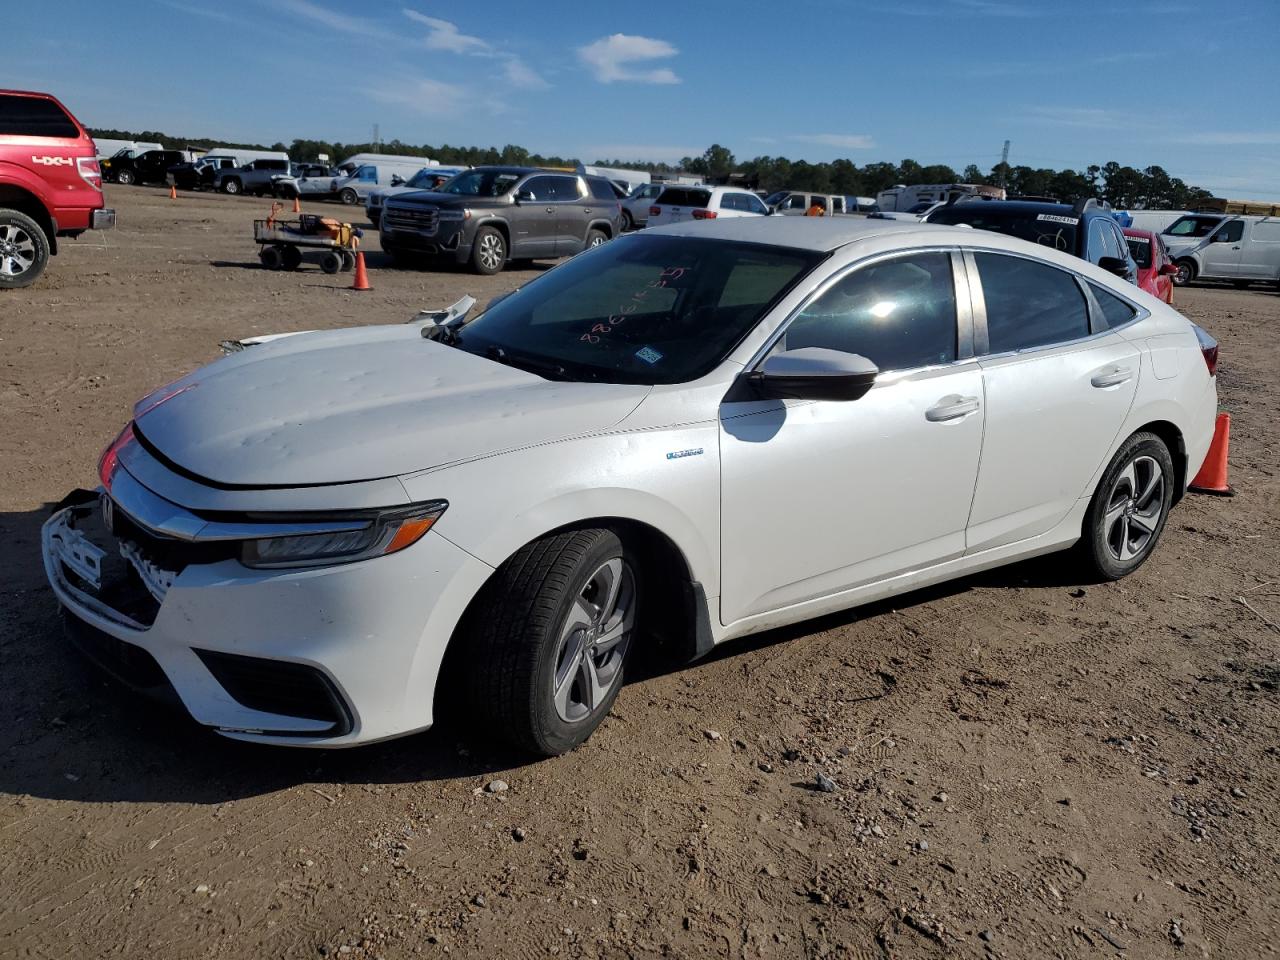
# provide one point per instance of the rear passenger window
(898, 313)
(567, 188)
(1116, 311)
(1029, 304)
(34, 117)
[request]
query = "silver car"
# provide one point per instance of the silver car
(1242, 249)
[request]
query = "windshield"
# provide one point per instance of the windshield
(774, 199)
(1140, 247)
(642, 309)
(1192, 226)
(482, 183)
(123, 153)
(1047, 229)
(423, 178)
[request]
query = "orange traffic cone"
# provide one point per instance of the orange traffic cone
(173, 192)
(297, 204)
(362, 278)
(1212, 477)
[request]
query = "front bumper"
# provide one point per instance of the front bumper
(229, 639)
(436, 237)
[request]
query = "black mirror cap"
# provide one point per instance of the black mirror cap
(843, 387)
(1114, 265)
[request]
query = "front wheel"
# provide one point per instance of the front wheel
(549, 638)
(348, 196)
(1186, 273)
(125, 177)
(231, 186)
(24, 250)
(1129, 507)
(488, 252)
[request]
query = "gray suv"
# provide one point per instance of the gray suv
(255, 177)
(489, 215)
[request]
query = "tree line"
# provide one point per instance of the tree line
(1123, 186)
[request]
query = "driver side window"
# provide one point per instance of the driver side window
(898, 313)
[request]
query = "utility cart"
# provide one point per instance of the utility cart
(285, 243)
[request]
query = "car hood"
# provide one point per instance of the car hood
(420, 198)
(348, 405)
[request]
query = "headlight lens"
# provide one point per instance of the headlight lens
(387, 531)
(455, 214)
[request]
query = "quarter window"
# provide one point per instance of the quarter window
(1029, 304)
(1230, 233)
(1116, 311)
(753, 204)
(898, 313)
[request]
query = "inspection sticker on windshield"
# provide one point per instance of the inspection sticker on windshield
(648, 355)
(1054, 218)
(1137, 239)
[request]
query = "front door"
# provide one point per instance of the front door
(819, 497)
(1221, 257)
(1056, 398)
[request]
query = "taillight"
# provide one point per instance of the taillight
(1208, 349)
(654, 211)
(90, 172)
(704, 214)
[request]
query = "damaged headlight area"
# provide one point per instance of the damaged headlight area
(360, 536)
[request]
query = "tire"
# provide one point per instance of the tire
(595, 238)
(231, 186)
(488, 251)
(1186, 273)
(348, 261)
(290, 258)
(1129, 508)
(331, 262)
(125, 176)
(349, 197)
(527, 671)
(272, 257)
(628, 221)
(24, 250)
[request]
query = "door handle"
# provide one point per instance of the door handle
(1111, 376)
(951, 407)
(587, 210)
(551, 209)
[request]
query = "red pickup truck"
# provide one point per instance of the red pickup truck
(50, 184)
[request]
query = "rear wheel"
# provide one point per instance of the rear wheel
(488, 251)
(1129, 507)
(331, 262)
(1186, 273)
(272, 257)
(595, 238)
(348, 261)
(628, 221)
(24, 250)
(548, 640)
(291, 258)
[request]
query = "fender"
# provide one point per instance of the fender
(604, 226)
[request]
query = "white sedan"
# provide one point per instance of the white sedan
(693, 433)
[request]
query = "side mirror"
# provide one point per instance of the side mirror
(1114, 265)
(1169, 270)
(524, 196)
(813, 373)
(396, 179)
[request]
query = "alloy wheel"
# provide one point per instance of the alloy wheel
(1134, 507)
(594, 640)
(17, 250)
(491, 251)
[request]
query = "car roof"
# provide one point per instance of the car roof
(1136, 232)
(804, 233)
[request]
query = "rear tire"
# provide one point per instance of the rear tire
(546, 642)
(1129, 508)
(595, 238)
(24, 250)
(331, 262)
(272, 257)
(628, 221)
(291, 258)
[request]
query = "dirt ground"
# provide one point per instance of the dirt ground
(1024, 765)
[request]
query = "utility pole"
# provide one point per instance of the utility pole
(1004, 164)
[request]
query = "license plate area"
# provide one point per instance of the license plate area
(119, 574)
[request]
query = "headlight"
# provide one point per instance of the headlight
(455, 214)
(386, 531)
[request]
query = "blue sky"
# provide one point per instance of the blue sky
(1192, 86)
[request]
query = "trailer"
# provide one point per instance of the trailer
(284, 244)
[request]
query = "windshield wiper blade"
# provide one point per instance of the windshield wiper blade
(546, 368)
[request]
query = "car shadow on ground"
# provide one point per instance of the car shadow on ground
(69, 732)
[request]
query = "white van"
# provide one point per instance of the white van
(241, 158)
(1241, 249)
(920, 194)
(367, 171)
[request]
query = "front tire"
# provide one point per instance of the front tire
(24, 250)
(348, 196)
(488, 252)
(548, 639)
(1129, 507)
(125, 177)
(1186, 273)
(231, 186)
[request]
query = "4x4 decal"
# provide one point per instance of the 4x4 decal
(54, 161)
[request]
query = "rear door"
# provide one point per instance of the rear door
(1260, 250)
(533, 221)
(1058, 385)
(577, 208)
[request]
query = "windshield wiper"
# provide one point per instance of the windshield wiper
(545, 368)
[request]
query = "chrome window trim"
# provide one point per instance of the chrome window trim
(767, 348)
(980, 315)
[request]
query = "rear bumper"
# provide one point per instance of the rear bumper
(103, 219)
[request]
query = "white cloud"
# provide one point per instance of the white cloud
(611, 59)
(432, 98)
(846, 141)
(443, 35)
(520, 74)
(332, 19)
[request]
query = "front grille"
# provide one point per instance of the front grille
(278, 686)
(421, 219)
(127, 662)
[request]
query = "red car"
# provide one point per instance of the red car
(50, 184)
(1155, 269)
